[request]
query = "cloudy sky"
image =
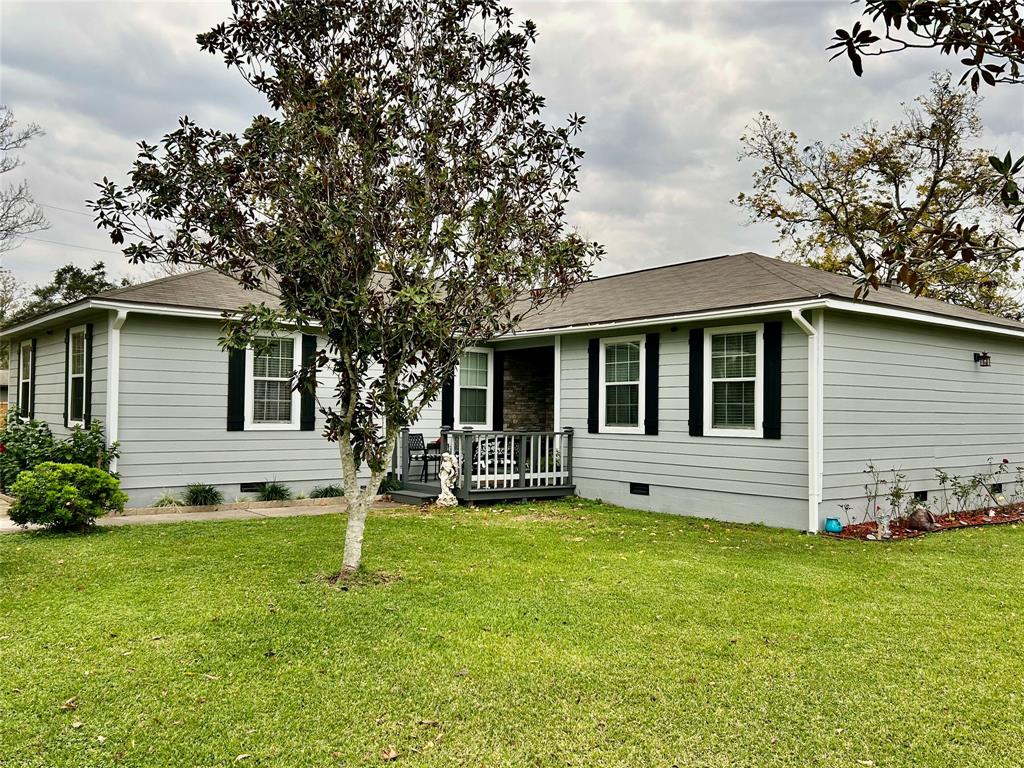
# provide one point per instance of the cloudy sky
(667, 88)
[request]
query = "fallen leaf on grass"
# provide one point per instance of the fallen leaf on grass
(240, 758)
(389, 754)
(70, 704)
(77, 724)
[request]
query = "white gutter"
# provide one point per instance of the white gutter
(815, 412)
(116, 322)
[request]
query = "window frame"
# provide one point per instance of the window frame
(602, 389)
(710, 430)
(456, 406)
(24, 408)
(78, 330)
(251, 425)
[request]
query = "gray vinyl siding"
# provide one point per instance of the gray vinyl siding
(738, 479)
(50, 383)
(173, 419)
(909, 396)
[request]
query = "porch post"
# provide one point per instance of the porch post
(467, 461)
(522, 460)
(404, 443)
(568, 455)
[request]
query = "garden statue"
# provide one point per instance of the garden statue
(447, 473)
(921, 520)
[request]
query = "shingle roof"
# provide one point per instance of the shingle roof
(724, 282)
(201, 289)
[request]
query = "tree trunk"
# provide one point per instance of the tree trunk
(354, 534)
(359, 500)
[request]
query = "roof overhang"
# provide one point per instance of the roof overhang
(839, 305)
(95, 305)
(830, 303)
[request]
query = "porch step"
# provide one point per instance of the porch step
(409, 496)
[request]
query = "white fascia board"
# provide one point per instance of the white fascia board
(162, 310)
(893, 313)
(839, 305)
(691, 317)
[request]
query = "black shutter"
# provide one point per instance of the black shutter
(652, 351)
(697, 382)
(448, 403)
(307, 407)
(87, 406)
(236, 390)
(67, 373)
(773, 380)
(498, 402)
(32, 382)
(593, 384)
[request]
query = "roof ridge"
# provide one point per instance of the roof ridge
(673, 264)
(764, 261)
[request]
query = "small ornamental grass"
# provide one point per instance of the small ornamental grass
(65, 496)
(326, 492)
(274, 491)
(202, 495)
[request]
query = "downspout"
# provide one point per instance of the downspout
(114, 377)
(815, 411)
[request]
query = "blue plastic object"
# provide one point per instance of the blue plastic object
(832, 525)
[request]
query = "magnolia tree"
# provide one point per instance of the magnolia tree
(402, 197)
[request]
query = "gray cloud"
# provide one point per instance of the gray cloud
(667, 88)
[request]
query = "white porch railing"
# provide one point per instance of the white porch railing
(490, 460)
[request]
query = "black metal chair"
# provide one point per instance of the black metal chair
(419, 450)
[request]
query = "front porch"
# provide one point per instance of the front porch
(493, 465)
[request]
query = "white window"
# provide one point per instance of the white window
(25, 381)
(733, 376)
(270, 401)
(76, 377)
(621, 399)
(474, 385)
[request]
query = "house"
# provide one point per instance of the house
(742, 388)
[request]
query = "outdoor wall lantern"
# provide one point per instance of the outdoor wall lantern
(984, 359)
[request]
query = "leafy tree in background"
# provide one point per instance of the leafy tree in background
(19, 215)
(70, 283)
(987, 35)
(912, 203)
(403, 197)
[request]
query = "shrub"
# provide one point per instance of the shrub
(88, 447)
(326, 492)
(202, 495)
(65, 496)
(274, 491)
(389, 484)
(27, 444)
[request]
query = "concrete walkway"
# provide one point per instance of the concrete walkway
(6, 526)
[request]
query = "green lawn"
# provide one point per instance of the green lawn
(555, 634)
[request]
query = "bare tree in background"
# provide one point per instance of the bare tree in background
(19, 214)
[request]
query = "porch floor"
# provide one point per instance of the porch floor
(425, 493)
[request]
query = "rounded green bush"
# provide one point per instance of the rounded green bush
(326, 492)
(65, 496)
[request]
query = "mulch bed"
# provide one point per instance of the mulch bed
(952, 522)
